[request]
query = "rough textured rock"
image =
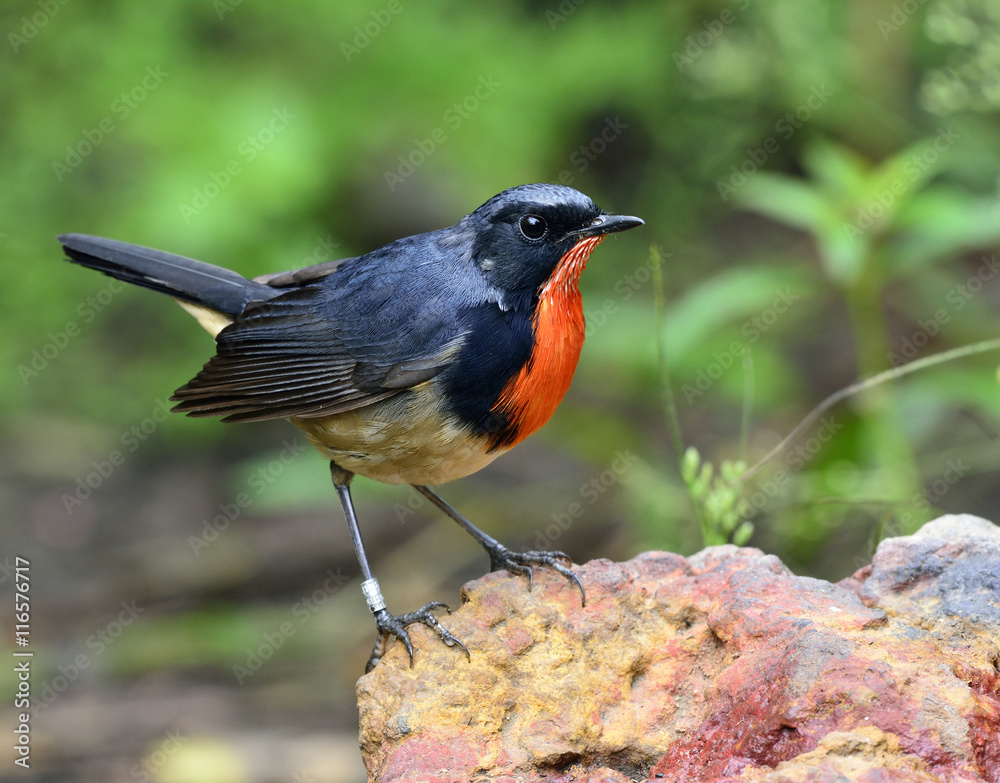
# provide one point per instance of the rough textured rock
(719, 667)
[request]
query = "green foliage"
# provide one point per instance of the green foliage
(853, 209)
(717, 498)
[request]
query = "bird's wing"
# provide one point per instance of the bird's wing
(313, 351)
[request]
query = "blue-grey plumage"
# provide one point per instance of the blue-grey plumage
(419, 362)
(441, 320)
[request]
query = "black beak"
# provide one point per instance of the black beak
(606, 224)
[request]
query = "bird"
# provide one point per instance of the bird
(417, 363)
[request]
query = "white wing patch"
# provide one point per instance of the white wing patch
(211, 321)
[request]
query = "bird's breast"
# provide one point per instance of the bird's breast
(530, 398)
(419, 436)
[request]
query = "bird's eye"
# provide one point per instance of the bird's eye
(532, 226)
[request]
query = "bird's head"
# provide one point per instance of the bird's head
(527, 235)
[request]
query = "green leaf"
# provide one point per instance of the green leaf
(844, 251)
(838, 170)
(732, 295)
(942, 221)
(742, 534)
(690, 465)
(795, 202)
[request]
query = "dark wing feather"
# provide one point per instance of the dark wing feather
(183, 278)
(297, 277)
(284, 357)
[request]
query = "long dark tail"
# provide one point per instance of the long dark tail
(182, 278)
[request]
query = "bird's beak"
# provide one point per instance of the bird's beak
(605, 224)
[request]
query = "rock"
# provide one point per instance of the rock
(720, 667)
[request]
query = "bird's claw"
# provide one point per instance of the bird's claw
(390, 625)
(521, 562)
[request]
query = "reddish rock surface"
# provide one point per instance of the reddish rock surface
(720, 667)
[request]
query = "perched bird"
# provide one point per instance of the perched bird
(417, 363)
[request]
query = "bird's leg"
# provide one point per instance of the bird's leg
(501, 556)
(386, 623)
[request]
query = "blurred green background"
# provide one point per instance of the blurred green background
(821, 186)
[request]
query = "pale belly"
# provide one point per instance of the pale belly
(403, 440)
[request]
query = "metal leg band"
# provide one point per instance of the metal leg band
(373, 595)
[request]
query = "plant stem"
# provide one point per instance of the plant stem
(888, 445)
(868, 383)
(748, 390)
(669, 403)
(659, 299)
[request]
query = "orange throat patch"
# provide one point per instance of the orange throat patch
(531, 397)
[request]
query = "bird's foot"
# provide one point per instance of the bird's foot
(522, 562)
(395, 625)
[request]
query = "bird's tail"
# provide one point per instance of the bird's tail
(197, 283)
